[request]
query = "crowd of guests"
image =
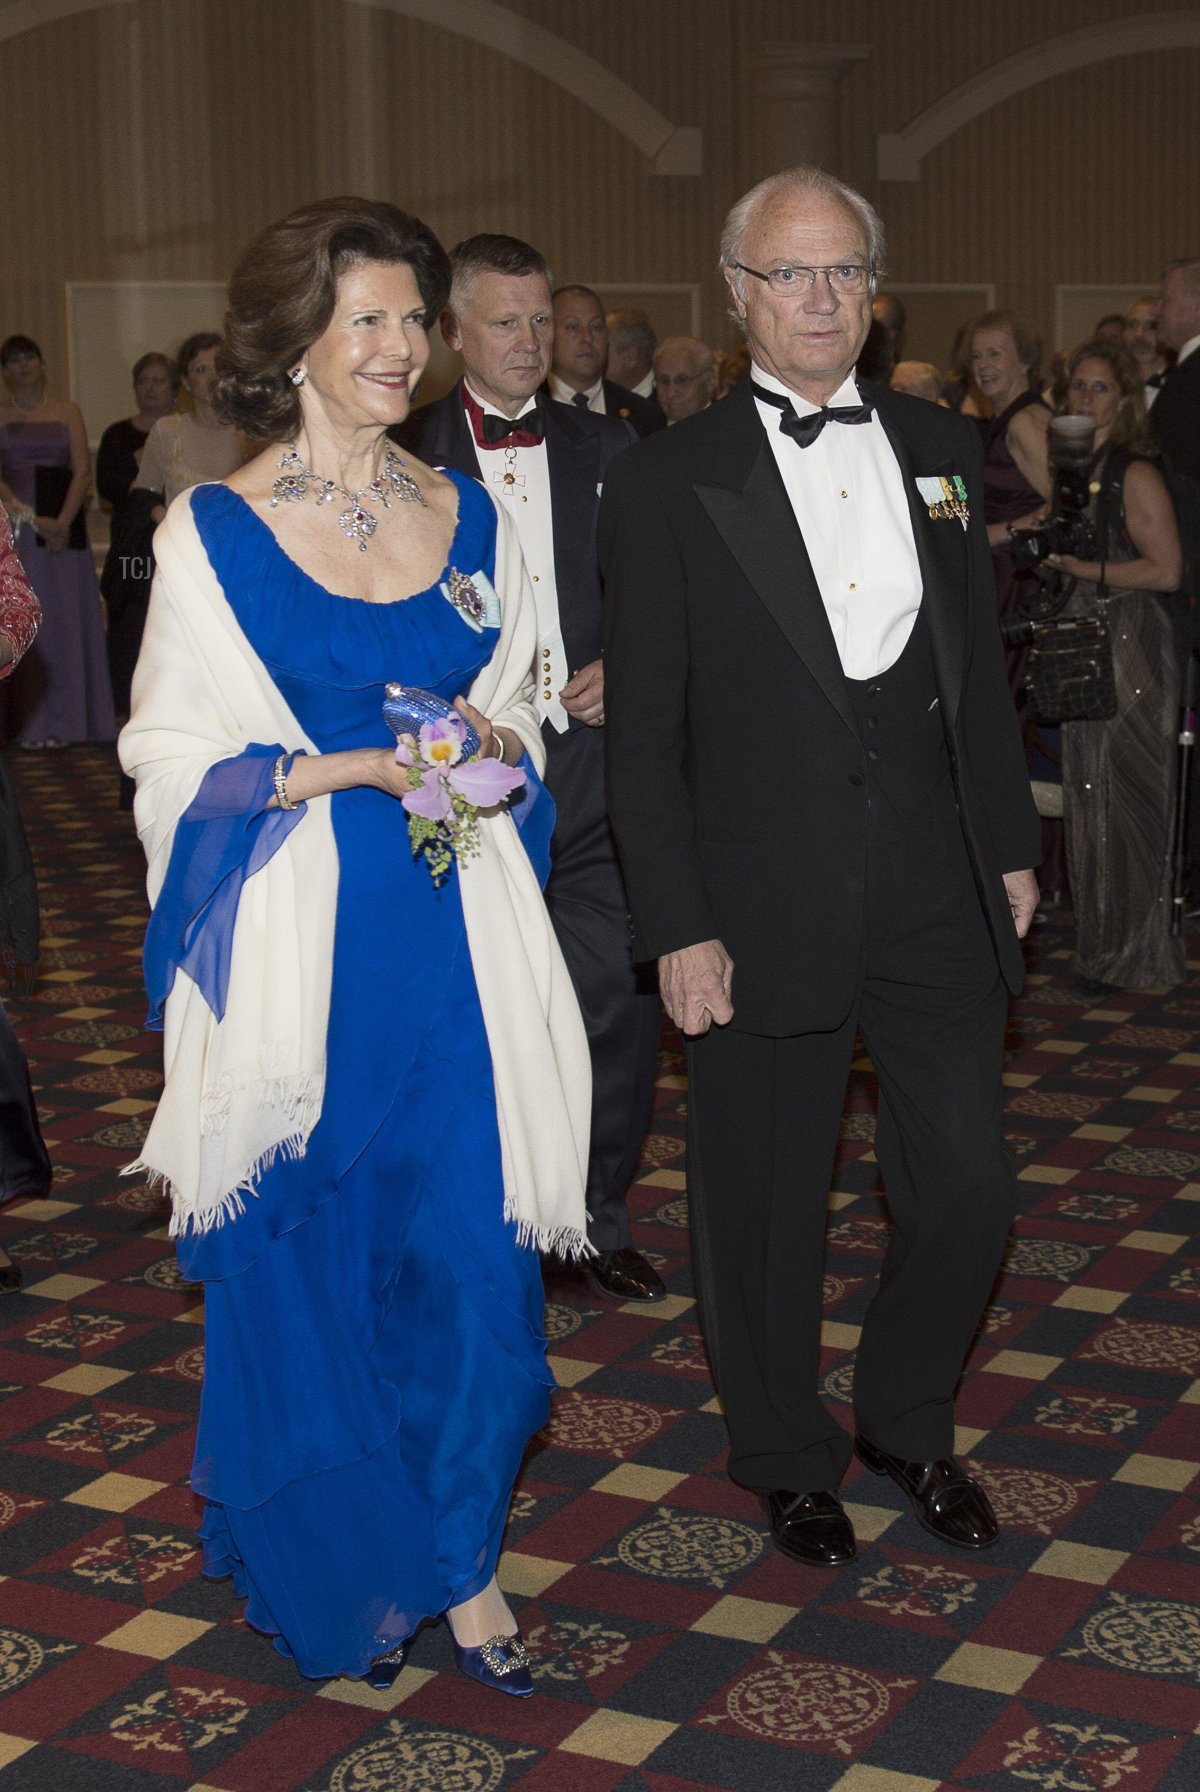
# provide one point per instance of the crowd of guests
(385, 1085)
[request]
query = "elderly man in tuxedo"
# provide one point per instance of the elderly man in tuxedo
(685, 377)
(547, 463)
(823, 812)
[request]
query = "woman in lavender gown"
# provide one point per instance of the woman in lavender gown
(62, 692)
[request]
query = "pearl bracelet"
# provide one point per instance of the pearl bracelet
(283, 766)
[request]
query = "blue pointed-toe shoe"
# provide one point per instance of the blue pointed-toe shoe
(500, 1662)
(384, 1670)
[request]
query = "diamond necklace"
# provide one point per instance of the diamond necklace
(356, 522)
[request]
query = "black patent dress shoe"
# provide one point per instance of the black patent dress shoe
(810, 1527)
(945, 1499)
(10, 1277)
(625, 1275)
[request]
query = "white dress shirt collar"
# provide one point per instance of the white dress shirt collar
(1189, 348)
(847, 392)
(489, 409)
(567, 395)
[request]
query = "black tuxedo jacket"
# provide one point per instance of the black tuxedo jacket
(737, 779)
(645, 415)
(579, 447)
(1175, 417)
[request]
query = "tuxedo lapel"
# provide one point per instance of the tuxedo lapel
(751, 511)
(574, 466)
(941, 547)
(445, 439)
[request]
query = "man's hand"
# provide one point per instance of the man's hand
(583, 695)
(696, 984)
(1021, 888)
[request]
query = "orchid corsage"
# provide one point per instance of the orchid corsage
(446, 792)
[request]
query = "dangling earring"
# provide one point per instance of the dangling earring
(297, 376)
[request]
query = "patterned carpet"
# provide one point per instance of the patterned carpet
(673, 1649)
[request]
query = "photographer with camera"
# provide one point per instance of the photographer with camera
(1110, 548)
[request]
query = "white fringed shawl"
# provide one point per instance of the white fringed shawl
(240, 1091)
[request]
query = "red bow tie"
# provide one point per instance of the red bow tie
(491, 431)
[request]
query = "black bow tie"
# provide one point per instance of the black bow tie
(805, 430)
(498, 429)
(1155, 380)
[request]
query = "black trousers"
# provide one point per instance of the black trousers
(763, 1127)
(24, 1164)
(586, 900)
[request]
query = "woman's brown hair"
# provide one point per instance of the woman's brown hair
(283, 292)
(1026, 340)
(1130, 430)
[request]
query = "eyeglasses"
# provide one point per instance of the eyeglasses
(849, 277)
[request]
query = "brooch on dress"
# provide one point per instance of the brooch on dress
(474, 597)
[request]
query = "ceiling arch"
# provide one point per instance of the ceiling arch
(899, 153)
(673, 149)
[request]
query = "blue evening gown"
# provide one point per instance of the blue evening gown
(375, 1357)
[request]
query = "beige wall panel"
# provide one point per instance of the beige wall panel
(151, 141)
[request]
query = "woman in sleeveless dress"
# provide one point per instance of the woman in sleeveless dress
(377, 1086)
(1005, 353)
(197, 444)
(1119, 777)
(61, 693)
(1016, 470)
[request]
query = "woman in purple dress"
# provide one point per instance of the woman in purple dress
(1005, 353)
(1016, 468)
(62, 692)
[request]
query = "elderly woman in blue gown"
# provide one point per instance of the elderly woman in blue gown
(376, 1083)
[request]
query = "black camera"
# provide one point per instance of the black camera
(1068, 529)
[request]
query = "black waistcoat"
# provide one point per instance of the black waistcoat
(899, 724)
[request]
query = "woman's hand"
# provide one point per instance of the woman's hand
(1074, 567)
(482, 727)
(52, 532)
(494, 743)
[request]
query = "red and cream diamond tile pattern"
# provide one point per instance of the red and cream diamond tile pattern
(673, 1650)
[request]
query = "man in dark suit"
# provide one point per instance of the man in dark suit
(822, 808)
(1175, 417)
(547, 463)
(578, 362)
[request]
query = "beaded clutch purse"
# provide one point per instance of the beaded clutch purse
(406, 708)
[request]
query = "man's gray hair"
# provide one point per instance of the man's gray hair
(1189, 267)
(632, 329)
(491, 253)
(701, 354)
(801, 180)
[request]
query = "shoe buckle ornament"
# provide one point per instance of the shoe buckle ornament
(504, 1654)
